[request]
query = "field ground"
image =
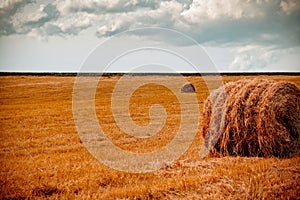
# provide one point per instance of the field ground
(41, 155)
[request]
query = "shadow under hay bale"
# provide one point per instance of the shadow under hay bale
(257, 117)
(188, 88)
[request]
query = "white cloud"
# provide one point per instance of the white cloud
(19, 20)
(71, 24)
(259, 31)
(254, 57)
(167, 14)
(202, 10)
(33, 17)
(290, 6)
(259, 58)
(221, 21)
(9, 4)
(8, 8)
(104, 6)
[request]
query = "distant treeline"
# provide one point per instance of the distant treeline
(147, 74)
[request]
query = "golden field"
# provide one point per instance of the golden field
(41, 155)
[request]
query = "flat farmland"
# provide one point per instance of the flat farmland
(42, 155)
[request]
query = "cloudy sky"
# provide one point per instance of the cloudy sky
(238, 35)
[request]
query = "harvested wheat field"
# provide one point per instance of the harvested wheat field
(42, 155)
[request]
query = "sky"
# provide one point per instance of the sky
(237, 35)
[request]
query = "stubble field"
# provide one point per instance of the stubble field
(42, 156)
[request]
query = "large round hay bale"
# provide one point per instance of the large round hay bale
(188, 88)
(257, 117)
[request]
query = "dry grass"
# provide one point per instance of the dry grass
(41, 155)
(253, 117)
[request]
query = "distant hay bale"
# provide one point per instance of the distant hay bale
(188, 88)
(257, 117)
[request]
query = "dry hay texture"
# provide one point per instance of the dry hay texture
(257, 117)
(188, 88)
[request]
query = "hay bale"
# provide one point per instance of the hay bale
(188, 88)
(257, 117)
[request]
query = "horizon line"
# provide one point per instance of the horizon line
(142, 73)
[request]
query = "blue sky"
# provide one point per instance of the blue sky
(238, 35)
